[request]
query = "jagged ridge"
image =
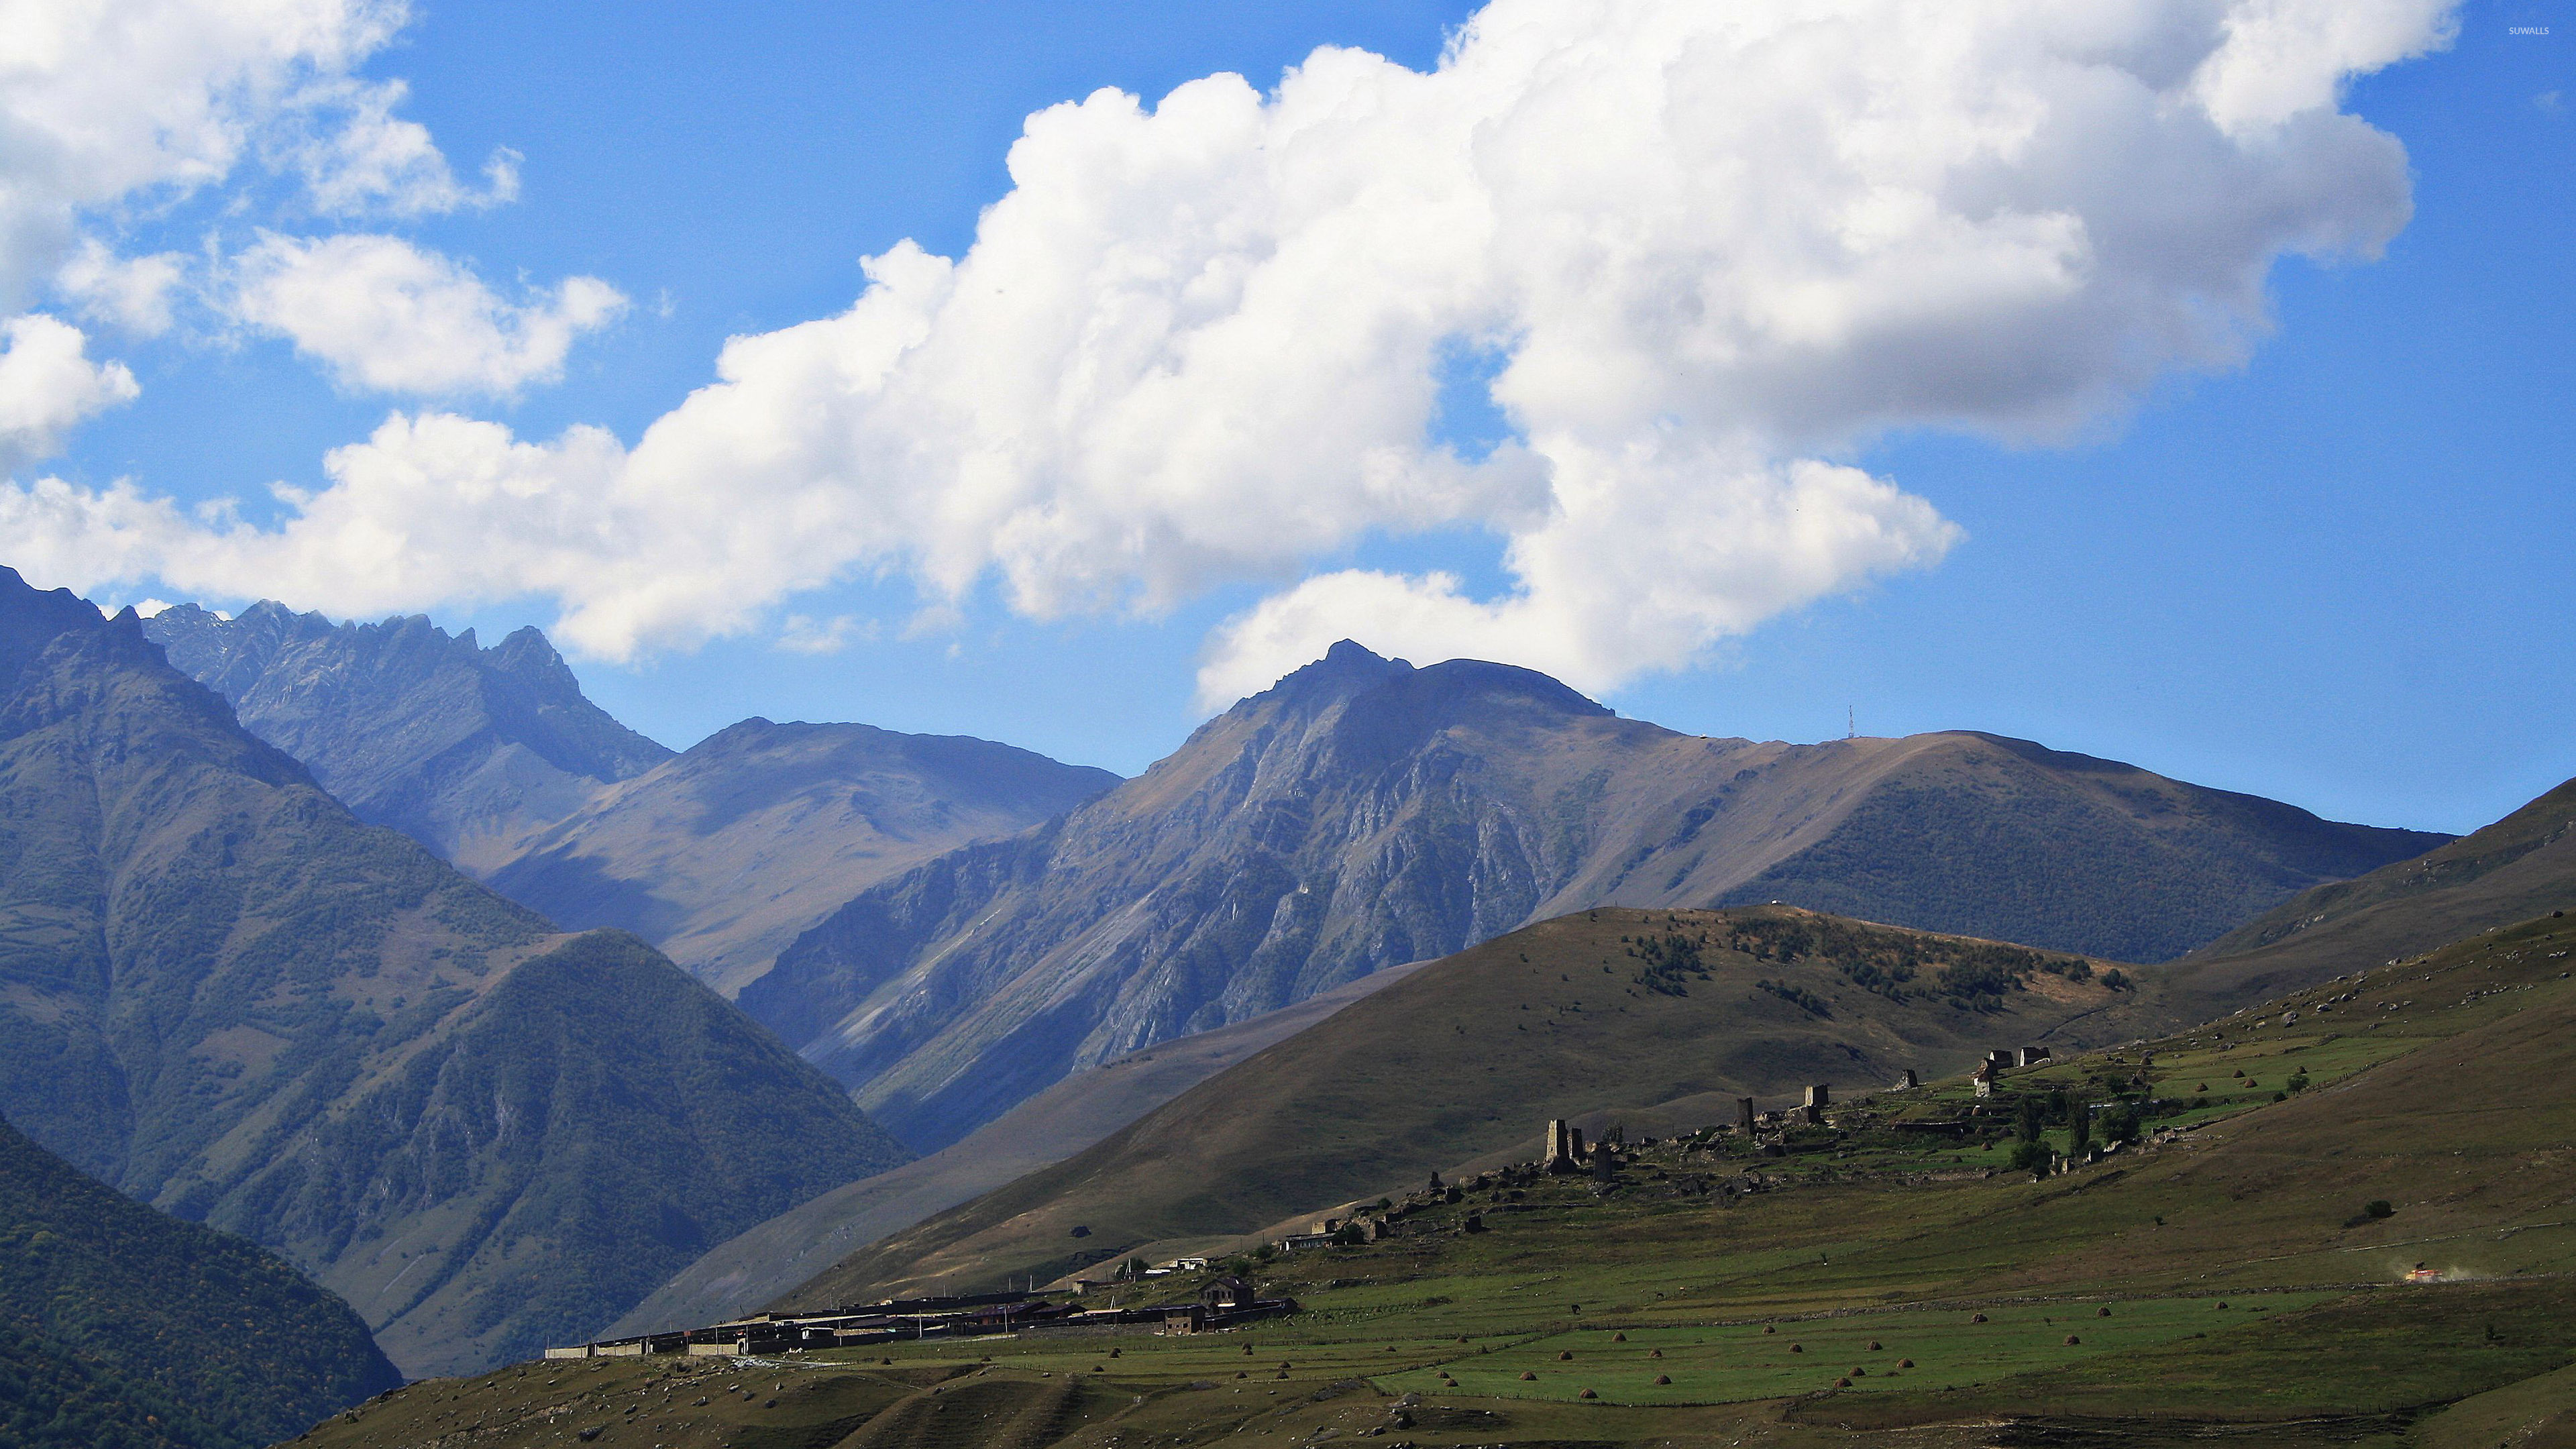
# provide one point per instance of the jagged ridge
(462, 748)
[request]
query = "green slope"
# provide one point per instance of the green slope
(2522, 866)
(2225, 1284)
(739, 1275)
(1472, 1054)
(124, 1328)
(223, 994)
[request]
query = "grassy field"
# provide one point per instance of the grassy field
(2224, 1278)
(1471, 1055)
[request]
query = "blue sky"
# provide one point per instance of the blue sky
(2336, 574)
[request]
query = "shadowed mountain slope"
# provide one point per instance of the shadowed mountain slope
(462, 748)
(722, 855)
(739, 1275)
(105, 1312)
(1472, 1054)
(1364, 812)
(2522, 866)
(222, 993)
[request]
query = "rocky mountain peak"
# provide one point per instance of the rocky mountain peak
(32, 618)
(463, 748)
(1350, 671)
(528, 654)
(1346, 669)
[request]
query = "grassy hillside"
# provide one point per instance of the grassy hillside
(223, 994)
(739, 1275)
(124, 1328)
(2522, 866)
(2229, 1279)
(1602, 1010)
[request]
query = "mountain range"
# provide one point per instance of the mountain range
(1416, 1077)
(958, 925)
(462, 748)
(1364, 813)
(724, 854)
(125, 1328)
(225, 995)
(2518, 868)
(720, 856)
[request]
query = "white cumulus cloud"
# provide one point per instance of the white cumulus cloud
(387, 316)
(48, 383)
(104, 104)
(1714, 244)
(128, 292)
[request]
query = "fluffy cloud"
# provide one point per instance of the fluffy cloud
(48, 383)
(386, 316)
(153, 99)
(1715, 245)
(128, 292)
(1733, 541)
(356, 156)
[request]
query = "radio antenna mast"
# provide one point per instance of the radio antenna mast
(1851, 722)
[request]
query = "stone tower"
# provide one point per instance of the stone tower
(1564, 1147)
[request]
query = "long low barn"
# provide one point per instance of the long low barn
(1222, 1306)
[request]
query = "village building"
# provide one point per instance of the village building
(1564, 1147)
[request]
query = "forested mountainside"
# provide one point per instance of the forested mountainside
(462, 748)
(125, 1328)
(222, 993)
(724, 854)
(1364, 813)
